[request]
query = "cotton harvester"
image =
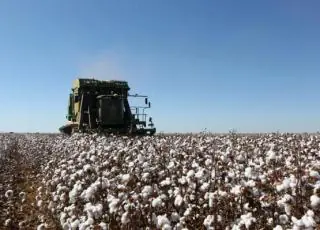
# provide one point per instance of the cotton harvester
(97, 106)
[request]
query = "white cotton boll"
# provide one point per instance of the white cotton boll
(9, 194)
(190, 173)
(175, 217)
(7, 222)
(270, 221)
(236, 190)
(121, 187)
(125, 178)
(278, 227)
(103, 226)
(310, 213)
(66, 226)
(271, 155)
(314, 174)
(182, 180)
(247, 220)
(251, 183)
(166, 227)
(157, 202)
(98, 208)
(178, 201)
(39, 203)
(90, 221)
(204, 187)
(208, 221)
(125, 218)
(141, 158)
(146, 191)
(308, 221)
(171, 165)
(113, 205)
(162, 220)
(231, 174)
(93, 158)
(87, 168)
(145, 165)
(22, 196)
(287, 209)
(63, 217)
(315, 201)
(187, 212)
(283, 219)
(240, 158)
(200, 173)
(208, 162)
(75, 224)
(210, 196)
(280, 187)
(249, 173)
(165, 182)
(63, 173)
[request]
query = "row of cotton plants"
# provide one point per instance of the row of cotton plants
(183, 182)
(21, 158)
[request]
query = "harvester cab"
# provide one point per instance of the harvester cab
(97, 106)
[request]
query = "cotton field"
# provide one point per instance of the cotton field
(203, 181)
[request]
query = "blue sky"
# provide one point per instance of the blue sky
(248, 65)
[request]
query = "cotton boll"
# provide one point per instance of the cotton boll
(283, 219)
(247, 220)
(146, 191)
(74, 225)
(7, 222)
(182, 180)
(113, 205)
(39, 203)
(178, 200)
(200, 173)
(163, 221)
(157, 202)
(145, 176)
(187, 212)
(190, 174)
(125, 178)
(270, 221)
(171, 165)
(251, 183)
(103, 226)
(66, 226)
(314, 174)
(166, 227)
(175, 217)
(208, 162)
(208, 221)
(315, 201)
(125, 218)
(271, 155)
(204, 187)
(308, 221)
(278, 227)
(165, 182)
(236, 190)
(248, 172)
(90, 221)
(63, 217)
(9, 194)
